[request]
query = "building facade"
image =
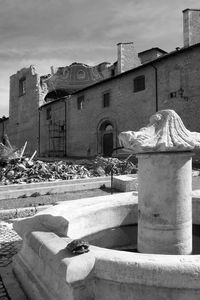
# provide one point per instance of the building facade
(80, 110)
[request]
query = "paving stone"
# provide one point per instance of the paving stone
(10, 243)
(3, 293)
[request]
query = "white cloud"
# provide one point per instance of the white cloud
(59, 32)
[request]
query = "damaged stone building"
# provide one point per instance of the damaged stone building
(79, 110)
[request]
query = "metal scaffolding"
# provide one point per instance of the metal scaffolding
(57, 134)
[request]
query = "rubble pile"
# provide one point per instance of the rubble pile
(104, 166)
(7, 152)
(26, 171)
(16, 168)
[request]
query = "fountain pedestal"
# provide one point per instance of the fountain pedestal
(164, 203)
(164, 152)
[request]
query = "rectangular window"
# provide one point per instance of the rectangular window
(80, 102)
(106, 99)
(48, 111)
(62, 127)
(139, 84)
(172, 95)
(22, 86)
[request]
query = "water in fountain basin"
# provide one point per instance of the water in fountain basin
(124, 238)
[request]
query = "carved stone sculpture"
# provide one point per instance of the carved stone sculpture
(165, 132)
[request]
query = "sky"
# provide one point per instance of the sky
(47, 33)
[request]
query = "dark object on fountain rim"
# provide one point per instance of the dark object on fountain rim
(78, 246)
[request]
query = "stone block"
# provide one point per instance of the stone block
(47, 270)
(82, 217)
(125, 183)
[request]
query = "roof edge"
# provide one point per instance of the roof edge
(192, 9)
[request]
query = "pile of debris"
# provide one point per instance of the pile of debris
(15, 168)
(27, 171)
(7, 152)
(105, 166)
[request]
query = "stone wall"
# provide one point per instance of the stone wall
(150, 54)
(4, 123)
(178, 89)
(178, 86)
(61, 128)
(23, 109)
(127, 110)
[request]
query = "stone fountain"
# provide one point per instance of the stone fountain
(151, 260)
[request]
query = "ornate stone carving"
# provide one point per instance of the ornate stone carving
(165, 132)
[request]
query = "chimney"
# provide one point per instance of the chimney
(127, 58)
(191, 27)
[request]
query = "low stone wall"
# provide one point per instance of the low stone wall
(47, 270)
(62, 186)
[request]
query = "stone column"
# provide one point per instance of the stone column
(164, 203)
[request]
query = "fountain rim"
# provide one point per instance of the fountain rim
(170, 271)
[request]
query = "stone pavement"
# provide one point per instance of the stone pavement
(3, 292)
(10, 244)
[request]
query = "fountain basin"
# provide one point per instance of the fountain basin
(47, 270)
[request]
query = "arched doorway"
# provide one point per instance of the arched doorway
(107, 136)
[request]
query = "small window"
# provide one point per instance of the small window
(172, 95)
(112, 72)
(22, 86)
(139, 84)
(62, 127)
(106, 99)
(80, 102)
(48, 116)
